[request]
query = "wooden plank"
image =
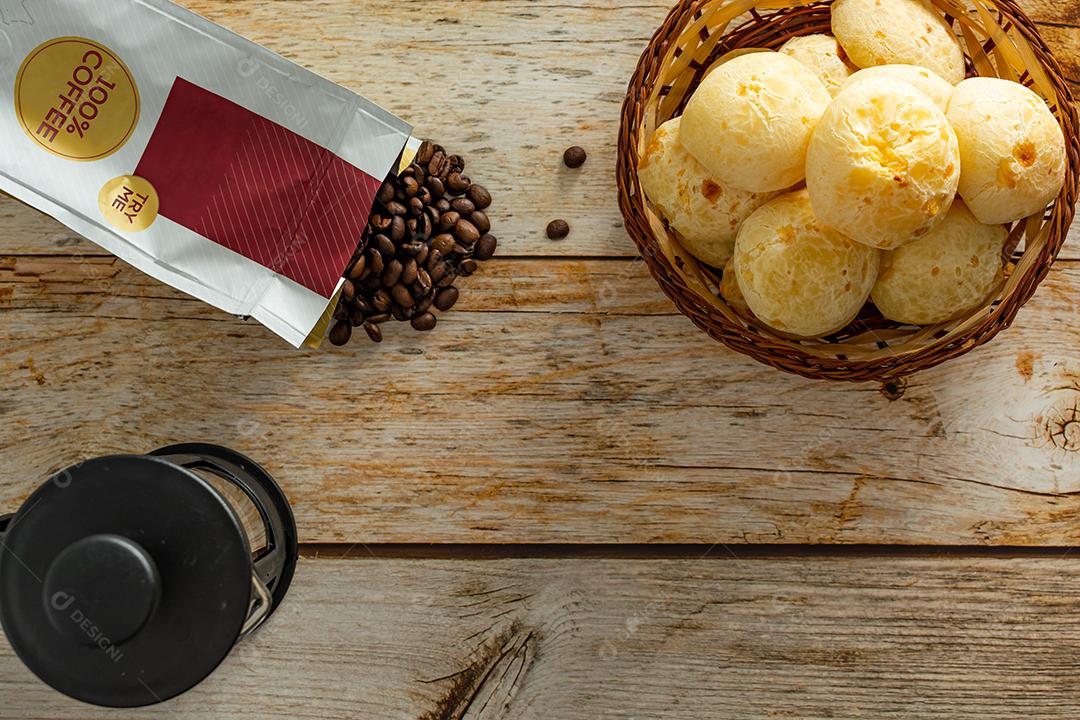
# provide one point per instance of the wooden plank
(509, 84)
(798, 638)
(564, 401)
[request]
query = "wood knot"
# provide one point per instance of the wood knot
(1060, 425)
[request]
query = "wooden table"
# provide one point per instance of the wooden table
(566, 501)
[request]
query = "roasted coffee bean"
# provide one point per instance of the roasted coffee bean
(443, 243)
(398, 313)
(434, 166)
(408, 272)
(358, 268)
(397, 230)
(421, 257)
(436, 186)
(446, 298)
(448, 220)
(423, 280)
(348, 290)
(410, 186)
(447, 279)
(402, 296)
(410, 228)
(485, 247)
(413, 249)
(463, 205)
(438, 272)
(371, 283)
(457, 162)
(434, 258)
(395, 208)
(424, 322)
(373, 332)
(364, 305)
(375, 261)
(423, 155)
(442, 205)
(379, 318)
(461, 250)
(392, 273)
(480, 196)
(466, 232)
(481, 221)
(386, 193)
(381, 301)
(380, 222)
(384, 246)
(356, 317)
(457, 183)
(558, 229)
(341, 312)
(575, 157)
(468, 267)
(424, 196)
(425, 302)
(416, 206)
(341, 333)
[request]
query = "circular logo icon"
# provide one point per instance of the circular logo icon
(76, 99)
(129, 203)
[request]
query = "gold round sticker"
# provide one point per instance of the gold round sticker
(129, 203)
(76, 99)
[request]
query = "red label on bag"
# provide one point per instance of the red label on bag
(256, 187)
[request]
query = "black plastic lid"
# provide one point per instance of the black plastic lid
(124, 581)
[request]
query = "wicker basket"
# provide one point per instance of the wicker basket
(999, 39)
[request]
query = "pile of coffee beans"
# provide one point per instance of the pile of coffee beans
(427, 229)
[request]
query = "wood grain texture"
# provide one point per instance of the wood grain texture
(563, 401)
(888, 638)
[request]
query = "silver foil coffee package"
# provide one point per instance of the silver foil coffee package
(193, 154)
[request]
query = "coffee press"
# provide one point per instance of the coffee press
(126, 580)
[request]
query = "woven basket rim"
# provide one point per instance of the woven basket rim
(686, 282)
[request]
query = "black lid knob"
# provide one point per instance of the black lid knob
(101, 590)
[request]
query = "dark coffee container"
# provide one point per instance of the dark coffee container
(126, 580)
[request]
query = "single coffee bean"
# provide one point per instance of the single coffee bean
(398, 313)
(446, 298)
(466, 232)
(421, 257)
(485, 247)
(448, 220)
(402, 296)
(358, 268)
(386, 193)
(392, 273)
(396, 208)
(461, 250)
(341, 333)
(380, 222)
(384, 245)
(425, 302)
(413, 248)
(373, 332)
(480, 196)
(442, 205)
(438, 272)
(424, 322)
(558, 229)
(447, 279)
(341, 312)
(436, 186)
(356, 317)
(381, 301)
(481, 221)
(457, 183)
(416, 206)
(457, 162)
(408, 272)
(423, 280)
(375, 262)
(410, 228)
(469, 267)
(411, 186)
(364, 305)
(463, 205)
(423, 155)
(575, 157)
(435, 165)
(379, 318)
(443, 243)
(425, 196)
(434, 258)
(397, 229)
(348, 290)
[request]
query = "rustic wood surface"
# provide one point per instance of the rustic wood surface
(804, 638)
(565, 401)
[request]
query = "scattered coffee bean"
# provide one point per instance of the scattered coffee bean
(481, 221)
(480, 196)
(558, 229)
(575, 157)
(373, 332)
